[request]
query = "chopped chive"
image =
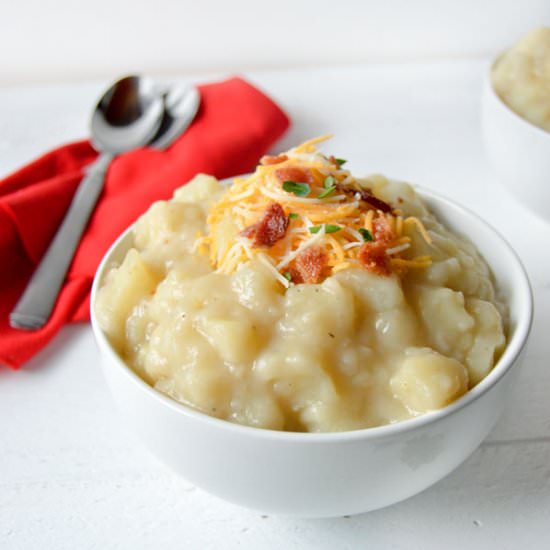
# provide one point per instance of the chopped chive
(329, 182)
(299, 189)
(367, 235)
(287, 275)
(341, 162)
(293, 215)
(329, 228)
(329, 186)
(327, 192)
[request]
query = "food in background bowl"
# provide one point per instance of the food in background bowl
(302, 298)
(516, 120)
(521, 77)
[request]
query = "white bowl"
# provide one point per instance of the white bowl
(327, 474)
(518, 150)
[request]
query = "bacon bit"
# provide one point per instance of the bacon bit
(268, 159)
(295, 275)
(309, 265)
(332, 160)
(367, 196)
(373, 258)
(379, 204)
(293, 173)
(271, 228)
(382, 230)
(372, 255)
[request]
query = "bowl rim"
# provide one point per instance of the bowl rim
(537, 130)
(511, 353)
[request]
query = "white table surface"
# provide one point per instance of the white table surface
(72, 477)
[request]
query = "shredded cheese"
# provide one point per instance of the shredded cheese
(421, 228)
(264, 259)
(397, 249)
(303, 245)
(344, 213)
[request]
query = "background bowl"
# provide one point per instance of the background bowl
(518, 150)
(329, 474)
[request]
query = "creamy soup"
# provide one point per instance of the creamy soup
(521, 77)
(302, 298)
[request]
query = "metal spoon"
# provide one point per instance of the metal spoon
(127, 116)
(181, 104)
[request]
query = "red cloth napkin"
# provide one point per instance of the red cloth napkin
(236, 124)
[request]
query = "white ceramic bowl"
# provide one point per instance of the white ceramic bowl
(330, 474)
(518, 150)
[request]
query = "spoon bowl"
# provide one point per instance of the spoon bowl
(181, 104)
(127, 116)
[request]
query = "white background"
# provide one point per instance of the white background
(71, 475)
(402, 96)
(65, 40)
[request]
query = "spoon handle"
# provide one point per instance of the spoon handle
(36, 304)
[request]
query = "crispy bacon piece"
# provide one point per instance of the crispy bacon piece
(382, 230)
(295, 275)
(379, 204)
(294, 173)
(372, 256)
(309, 266)
(367, 196)
(271, 228)
(269, 159)
(332, 160)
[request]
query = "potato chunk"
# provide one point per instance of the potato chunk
(124, 288)
(166, 222)
(427, 380)
(375, 293)
(446, 322)
(199, 190)
(488, 341)
(235, 340)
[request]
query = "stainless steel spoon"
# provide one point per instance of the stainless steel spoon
(128, 116)
(181, 104)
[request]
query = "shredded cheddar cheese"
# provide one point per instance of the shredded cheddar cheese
(330, 210)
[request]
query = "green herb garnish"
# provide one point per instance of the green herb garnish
(293, 215)
(327, 193)
(367, 235)
(329, 182)
(299, 189)
(287, 275)
(329, 186)
(340, 162)
(329, 228)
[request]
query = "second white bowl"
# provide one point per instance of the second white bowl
(518, 150)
